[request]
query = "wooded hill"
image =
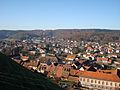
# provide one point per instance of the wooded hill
(97, 35)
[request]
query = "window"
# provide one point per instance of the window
(95, 81)
(110, 83)
(98, 82)
(115, 84)
(106, 83)
(98, 86)
(87, 80)
(83, 79)
(111, 88)
(91, 81)
(102, 82)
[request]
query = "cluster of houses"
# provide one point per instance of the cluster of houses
(94, 65)
(75, 70)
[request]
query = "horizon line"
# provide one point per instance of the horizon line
(59, 29)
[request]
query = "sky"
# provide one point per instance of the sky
(59, 14)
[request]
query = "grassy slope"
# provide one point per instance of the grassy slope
(15, 77)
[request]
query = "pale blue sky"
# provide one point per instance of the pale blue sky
(54, 14)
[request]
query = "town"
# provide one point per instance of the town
(59, 44)
(72, 64)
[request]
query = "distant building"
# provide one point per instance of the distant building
(71, 57)
(100, 80)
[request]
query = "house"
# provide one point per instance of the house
(100, 80)
(59, 71)
(65, 75)
(76, 64)
(32, 64)
(89, 49)
(110, 50)
(117, 64)
(105, 79)
(104, 60)
(117, 51)
(32, 52)
(75, 73)
(82, 69)
(42, 68)
(65, 72)
(88, 56)
(43, 54)
(24, 58)
(73, 79)
(51, 70)
(91, 68)
(71, 57)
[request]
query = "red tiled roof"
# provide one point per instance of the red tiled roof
(80, 61)
(100, 58)
(71, 56)
(90, 55)
(75, 72)
(107, 71)
(102, 76)
(58, 71)
(72, 78)
(96, 75)
(51, 68)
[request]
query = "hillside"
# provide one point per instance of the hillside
(97, 35)
(15, 77)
